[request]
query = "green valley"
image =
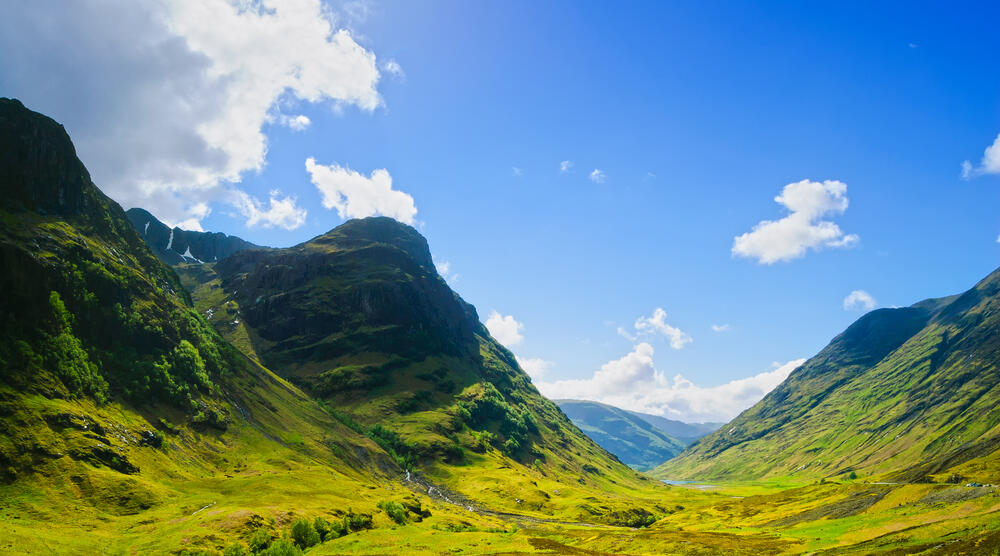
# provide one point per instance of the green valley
(172, 392)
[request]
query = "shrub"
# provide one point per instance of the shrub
(322, 528)
(394, 510)
(357, 522)
(393, 443)
(260, 540)
(281, 547)
(304, 534)
(235, 549)
(188, 364)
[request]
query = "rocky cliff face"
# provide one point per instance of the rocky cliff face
(176, 246)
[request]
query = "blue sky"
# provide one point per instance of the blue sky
(697, 115)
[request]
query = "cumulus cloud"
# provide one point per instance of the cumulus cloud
(657, 324)
(633, 382)
(859, 300)
(392, 67)
(565, 166)
(295, 123)
(504, 329)
(791, 237)
(990, 164)
(720, 327)
(357, 196)
(598, 176)
(166, 101)
(280, 212)
(535, 366)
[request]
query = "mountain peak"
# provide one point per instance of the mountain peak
(361, 232)
(41, 170)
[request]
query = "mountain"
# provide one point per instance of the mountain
(633, 440)
(909, 395)
(124, 403)
(176, 246)
(360, 319)
(686, 433)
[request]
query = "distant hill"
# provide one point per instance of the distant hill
(687, 433)
(911, 393)
(635, 441)
(175, 246)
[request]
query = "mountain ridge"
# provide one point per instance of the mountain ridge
(636, 442)
(897, 389)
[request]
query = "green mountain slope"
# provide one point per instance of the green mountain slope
(360, 319)
(176, 246)
(911, 392)
(687, 433)
(119, 404)
(633, 440)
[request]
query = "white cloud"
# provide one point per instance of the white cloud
(626, 334)
(504, 329)
(357, 196)
(166, 101)
(720, 327)
(792, 236)
(535, 366)
(598, 176)
(392, 67)
(657, 324)
(279, 212)
(565, 166)
(295, 123)
(516, 171)
(912, 45)
(998, 239)
(634, 383)
(990, 164)
(859, 300)
(444, 269)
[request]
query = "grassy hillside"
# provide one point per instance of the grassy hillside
(360, 319)
(634, 441)
(909, 394)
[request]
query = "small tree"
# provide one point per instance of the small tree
(304, 534)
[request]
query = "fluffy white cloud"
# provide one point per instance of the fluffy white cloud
(565, 166)
(295, 123)
(392, 67)
(167, 101)
(279, 212)
(598, 176)
(990, 164)
(504, 329)
(357, 196)
(535, 366)
(720, 327)
(859, 300)
(657, 324)
(634, 383)
(790, 237)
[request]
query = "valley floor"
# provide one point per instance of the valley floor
(206, 516)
